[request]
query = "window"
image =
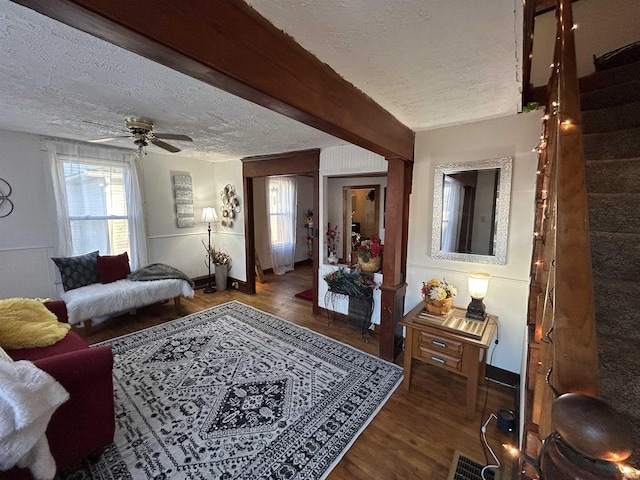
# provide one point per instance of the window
(282, 205)
(98, 201)
(281, 209)
(97, 206)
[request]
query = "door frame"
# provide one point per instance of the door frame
(305, 162)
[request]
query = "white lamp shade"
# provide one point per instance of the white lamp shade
(209, 215)
(478, 284)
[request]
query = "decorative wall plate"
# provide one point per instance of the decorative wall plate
(230, 205)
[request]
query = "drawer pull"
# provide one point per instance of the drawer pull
(438, 359)
(439, 343)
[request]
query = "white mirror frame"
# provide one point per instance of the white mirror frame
(502, 210)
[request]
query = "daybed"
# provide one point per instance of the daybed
(100, 299)
(98, 286)
(86, 422)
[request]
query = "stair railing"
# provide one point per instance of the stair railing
(562, 342)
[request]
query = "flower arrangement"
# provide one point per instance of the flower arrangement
(435, 290)
(309, 216)
(333, 236)
(216, 256)
(370, 248)
(350, 283)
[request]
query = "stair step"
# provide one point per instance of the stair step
(612, 76)
(613, 95)
(616, 255)
(617, 307)
(620, 117)
(618, 175)
(609, 145)
(614, 212)
(619, 358)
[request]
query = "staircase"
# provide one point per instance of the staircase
(610, 101)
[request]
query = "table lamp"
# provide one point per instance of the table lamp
(478, 286)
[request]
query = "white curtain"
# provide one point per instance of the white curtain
(282, 206)
(450, 214)
(61, 152)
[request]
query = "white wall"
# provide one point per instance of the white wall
(26, 235)
(509, 288)
(179, 247)
(230, 239)
(183, 247)
(603, 26)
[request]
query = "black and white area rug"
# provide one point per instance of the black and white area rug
(235, 393)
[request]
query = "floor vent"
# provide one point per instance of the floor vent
(465, 468)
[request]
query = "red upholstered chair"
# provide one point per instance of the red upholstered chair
(86, 422)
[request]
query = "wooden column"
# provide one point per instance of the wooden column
(394, 285)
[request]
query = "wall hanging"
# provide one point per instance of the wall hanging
(6, 205)
(230, 206)
(183, 191)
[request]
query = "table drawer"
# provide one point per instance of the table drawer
(439, 358)
(438, 343)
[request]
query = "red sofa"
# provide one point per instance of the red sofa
(86, 422)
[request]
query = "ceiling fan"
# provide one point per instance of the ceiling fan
(141, 131)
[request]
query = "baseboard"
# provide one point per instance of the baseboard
(201, 282)
(505, 377)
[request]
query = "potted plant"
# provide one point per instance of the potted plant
(222, 265)
(370, 254)
(350, 283)
(438, 295)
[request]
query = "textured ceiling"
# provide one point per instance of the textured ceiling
(429, 63)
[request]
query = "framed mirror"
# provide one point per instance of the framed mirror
(471, 211)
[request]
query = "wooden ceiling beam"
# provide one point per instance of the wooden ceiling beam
(227, 44)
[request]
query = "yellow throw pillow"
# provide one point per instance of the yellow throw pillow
(26, 323)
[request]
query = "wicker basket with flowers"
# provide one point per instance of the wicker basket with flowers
(438, 295)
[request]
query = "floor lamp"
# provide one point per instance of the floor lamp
(209, 216)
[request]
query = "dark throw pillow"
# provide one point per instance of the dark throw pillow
(113, 267)
(78, 271)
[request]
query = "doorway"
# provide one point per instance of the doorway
(304, 163)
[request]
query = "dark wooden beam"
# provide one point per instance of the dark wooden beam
(228, 45)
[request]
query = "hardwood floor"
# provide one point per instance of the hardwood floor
(415, 434)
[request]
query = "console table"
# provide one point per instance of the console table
(445, 348)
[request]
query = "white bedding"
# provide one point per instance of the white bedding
(101, 299)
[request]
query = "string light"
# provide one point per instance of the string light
(628, 472)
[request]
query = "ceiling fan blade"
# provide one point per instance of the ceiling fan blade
(166, 146)
(173, 136)
(108, 139)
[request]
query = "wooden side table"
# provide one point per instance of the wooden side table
(445, 348)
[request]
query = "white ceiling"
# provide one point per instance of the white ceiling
(430, 63)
